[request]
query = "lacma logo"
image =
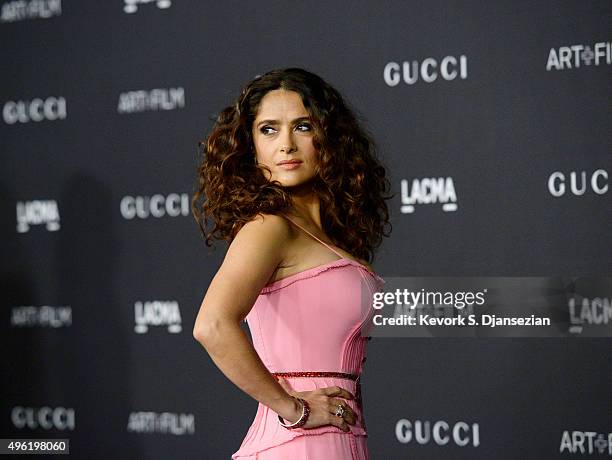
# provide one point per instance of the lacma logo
(37, 212)
(131, 6)
(575, 56)
(157, 313)
(429, 70)
(596, 311)
(429, 191)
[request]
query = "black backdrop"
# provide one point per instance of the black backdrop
(103, 269)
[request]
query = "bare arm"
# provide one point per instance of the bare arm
(254, 254)
(250, 261)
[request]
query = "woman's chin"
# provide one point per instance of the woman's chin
(294, 182)
(306, 184)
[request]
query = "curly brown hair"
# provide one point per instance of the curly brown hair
(350, 181)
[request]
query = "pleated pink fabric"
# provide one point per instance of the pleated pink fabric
(312, 321)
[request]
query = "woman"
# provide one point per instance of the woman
(291, 181)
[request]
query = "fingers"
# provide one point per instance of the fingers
(339, 392)
(339, 422)
(325, 401)
(349, 415)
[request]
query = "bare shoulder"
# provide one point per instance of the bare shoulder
(252, 257)
(266, 236)
(268, 228)
(271, 220)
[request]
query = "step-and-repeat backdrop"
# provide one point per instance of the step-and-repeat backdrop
(493, 118)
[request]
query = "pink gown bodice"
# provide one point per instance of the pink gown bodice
(314, 320)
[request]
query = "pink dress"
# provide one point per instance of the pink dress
(312, 321)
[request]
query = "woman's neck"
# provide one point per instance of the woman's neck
(306, 206)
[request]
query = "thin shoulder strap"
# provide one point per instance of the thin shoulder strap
(320, 241)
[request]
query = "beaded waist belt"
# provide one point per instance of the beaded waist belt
(338, 375)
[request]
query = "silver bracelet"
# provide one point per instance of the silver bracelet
(303, 418)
